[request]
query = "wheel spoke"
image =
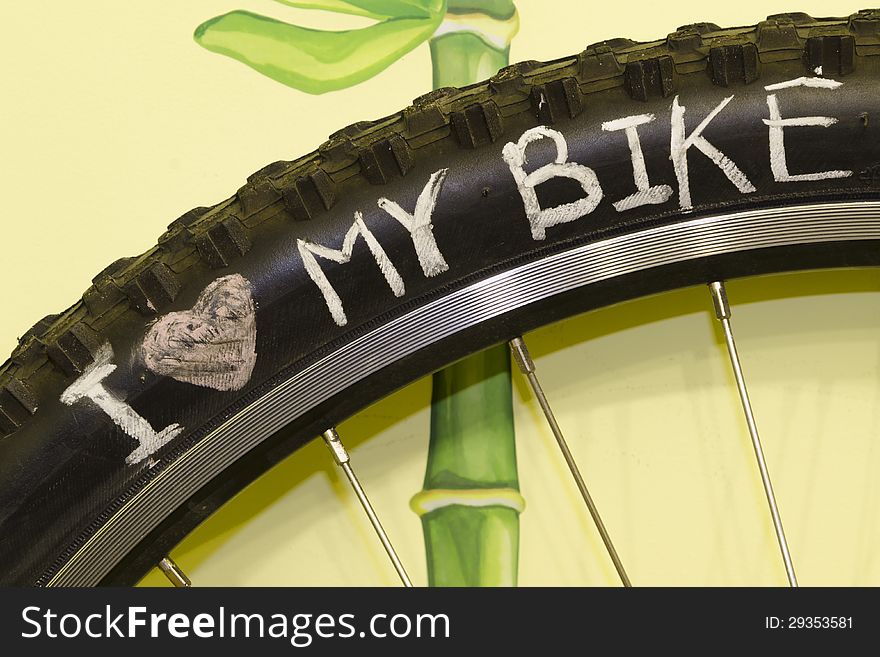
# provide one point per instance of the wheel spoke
(527, 367)
(174, 573)
(722, 312)
(340, 455)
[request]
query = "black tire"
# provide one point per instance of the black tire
(72, 511)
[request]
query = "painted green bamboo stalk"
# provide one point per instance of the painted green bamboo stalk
(470, 502)
(459, 58)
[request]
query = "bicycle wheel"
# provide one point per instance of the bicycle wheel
(408, 242)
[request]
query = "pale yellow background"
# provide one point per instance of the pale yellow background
(114, 122)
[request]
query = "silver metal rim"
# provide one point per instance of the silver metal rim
(444, 317)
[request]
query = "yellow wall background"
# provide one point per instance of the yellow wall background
(114, 122)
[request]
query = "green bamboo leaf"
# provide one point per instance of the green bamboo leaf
(378, 9)
(337, 6)
(314, 61)
(500, 9)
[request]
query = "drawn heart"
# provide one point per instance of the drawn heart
(211, 345)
